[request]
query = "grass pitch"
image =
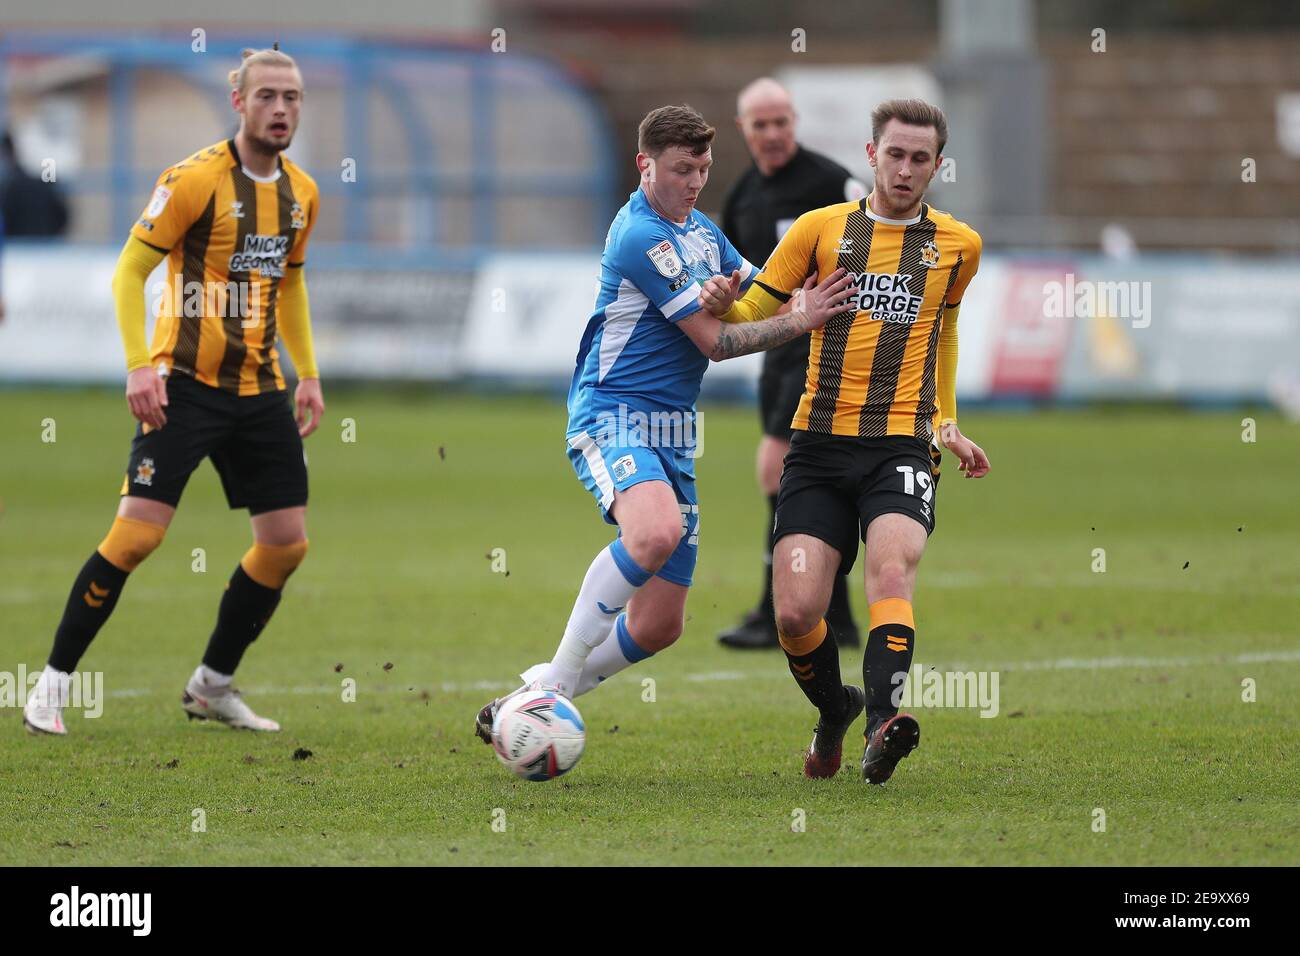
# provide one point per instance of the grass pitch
(1120, 692)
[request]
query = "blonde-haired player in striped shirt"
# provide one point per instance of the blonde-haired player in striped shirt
(232, 221)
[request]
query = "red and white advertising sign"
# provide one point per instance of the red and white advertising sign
(1030, 340)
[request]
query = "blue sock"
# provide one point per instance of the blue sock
(611, 657)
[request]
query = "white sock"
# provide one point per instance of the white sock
(206, 675)
(52, 687)
(609, 658)
(611, 581)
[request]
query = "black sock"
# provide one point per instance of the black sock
(94, 595)
(818, 673)
(766, 605)
(888, 655)
(840, 611)
(245, 608)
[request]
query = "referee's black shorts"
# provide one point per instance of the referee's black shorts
(834, 486)
(781, 385)
(252, 440)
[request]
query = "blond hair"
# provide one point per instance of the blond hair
(238, 78)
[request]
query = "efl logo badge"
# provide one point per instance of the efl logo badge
(664, 257)
(145, 472)
(624, 467)
(930, 255)
(158, 203)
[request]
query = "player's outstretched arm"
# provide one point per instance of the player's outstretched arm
(786, 268)
(295, 328)
(817, 303)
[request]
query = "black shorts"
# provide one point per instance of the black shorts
(834, 486)
(781, 386)
(252, 440)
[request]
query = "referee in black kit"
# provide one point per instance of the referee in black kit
(785, 182)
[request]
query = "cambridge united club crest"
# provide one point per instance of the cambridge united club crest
(930, 255)
(144, 472)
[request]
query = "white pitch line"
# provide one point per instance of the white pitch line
(708, 677)
(1072, 580)
(1108, 663)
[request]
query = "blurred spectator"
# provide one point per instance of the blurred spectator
(1117, 243)
(29, 205)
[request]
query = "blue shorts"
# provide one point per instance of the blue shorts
(605, 468)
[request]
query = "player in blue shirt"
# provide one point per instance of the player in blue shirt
(631, 431)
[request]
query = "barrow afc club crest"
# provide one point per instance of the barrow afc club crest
(624, 467)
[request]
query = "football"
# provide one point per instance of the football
(538, 734)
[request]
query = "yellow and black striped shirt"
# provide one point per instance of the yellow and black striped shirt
(228, 238)
(871, 372)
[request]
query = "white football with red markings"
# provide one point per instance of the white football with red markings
(538, 734)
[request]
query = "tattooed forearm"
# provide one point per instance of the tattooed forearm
(734, 340)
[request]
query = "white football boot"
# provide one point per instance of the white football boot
(532, 680)
(203, 701)
(43, 712)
